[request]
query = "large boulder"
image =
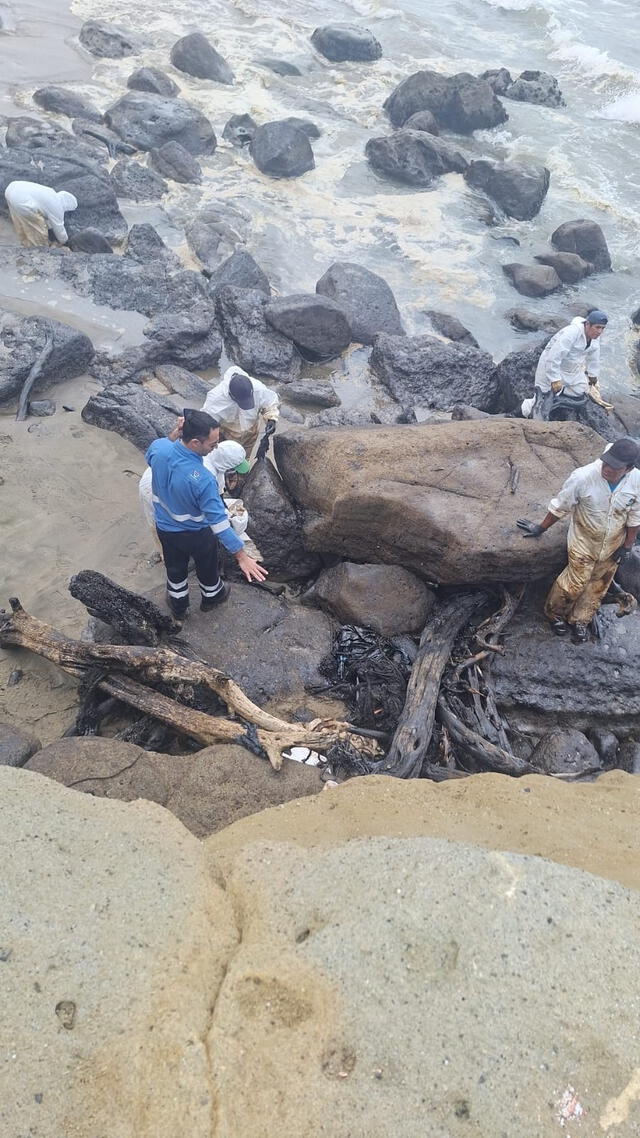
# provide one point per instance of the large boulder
(108, 41)
(535, 87)
(461, 103)
(194, 55)
(340, 42)
(275, 525)
(423, 370)
(154, 80)
(413, 156)
(147, 121)
(16, 747)
(124, 283)
(132, 412)
(518, 190)
(569, 266)
(542, 678)
(317, 325)
(62, 101)
(242, 271)
(97, 201)
(281, 150)
(386, 598)
(366, 299)
(249, 340)
(436, 499)
(22, 339)
(586, 239)
(206, 792)
(532, 280)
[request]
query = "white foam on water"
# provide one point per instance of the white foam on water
(624, 109)
(585, 58)
(514, 5)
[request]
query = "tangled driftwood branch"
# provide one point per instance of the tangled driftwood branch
(152, 666)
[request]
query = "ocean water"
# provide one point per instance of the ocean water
(433, 246)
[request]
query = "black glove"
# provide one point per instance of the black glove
(621, 554)
(530, 528)
(270, 428)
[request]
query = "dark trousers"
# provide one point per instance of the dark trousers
(177, 549)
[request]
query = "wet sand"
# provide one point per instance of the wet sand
(36, 47)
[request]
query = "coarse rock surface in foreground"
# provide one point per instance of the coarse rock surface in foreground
(109, 966)
(232, 953)
(440, 499)
(206, 791)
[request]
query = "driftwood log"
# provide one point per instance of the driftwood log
(413, 734)
(34, 374)
(136, 619)
(121, 663)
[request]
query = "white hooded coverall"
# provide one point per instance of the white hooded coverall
(599, 521)
(242, 426)
(35, 209)
(568, 359)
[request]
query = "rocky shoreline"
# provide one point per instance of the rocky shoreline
(231, 902)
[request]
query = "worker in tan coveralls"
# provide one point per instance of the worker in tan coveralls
(603, 500)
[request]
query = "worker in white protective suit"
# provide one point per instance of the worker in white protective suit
(35, 209)
(227, 458)
(603, 502)
(240, 404)
(568, 370)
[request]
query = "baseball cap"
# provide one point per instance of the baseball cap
(624, 452)
(241, 391)
(597, 316)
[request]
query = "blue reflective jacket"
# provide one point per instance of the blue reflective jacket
(185, 493)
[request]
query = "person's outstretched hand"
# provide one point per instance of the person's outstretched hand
(251, 568)
(531, 529)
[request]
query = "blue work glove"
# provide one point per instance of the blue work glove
(531, 529)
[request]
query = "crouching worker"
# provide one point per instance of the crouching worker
(603, 502)
(191, 516)
(35, 209)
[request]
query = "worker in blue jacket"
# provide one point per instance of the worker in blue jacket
(191, 516)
